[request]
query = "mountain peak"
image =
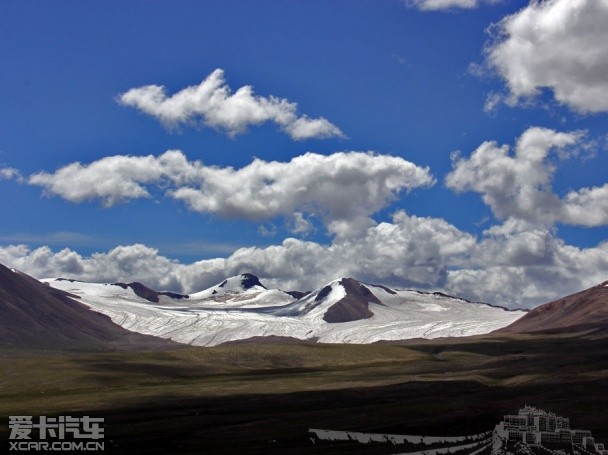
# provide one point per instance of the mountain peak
(342, 300)
(249, 280)
(232, 285)
(354, 305)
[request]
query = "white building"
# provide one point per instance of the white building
(535, 427)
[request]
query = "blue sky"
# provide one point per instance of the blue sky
(414, 80)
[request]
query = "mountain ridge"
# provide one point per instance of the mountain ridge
(342, 311)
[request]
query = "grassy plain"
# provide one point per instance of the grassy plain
(265, 397)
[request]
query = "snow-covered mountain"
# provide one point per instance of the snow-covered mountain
(342, 300)
(241, 291)
(241, 307)
(233, 285)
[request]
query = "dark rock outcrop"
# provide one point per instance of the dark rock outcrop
(248, 281)
(146, 293)
(354, 306)
(323, 293)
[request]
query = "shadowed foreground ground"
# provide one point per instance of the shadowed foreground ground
(263, 398)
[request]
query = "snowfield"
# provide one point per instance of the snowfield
(230, 311)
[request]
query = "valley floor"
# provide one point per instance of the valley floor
(263, 398)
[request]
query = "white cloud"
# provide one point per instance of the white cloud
(509, 265)
(117, 178)
(520, 262)
(492, 102)
(213, 103)
(123, 263)
(10, 173)
(528, 268)
(306, 128)
(300, 225)
(519, 185)
(407, 251)
(516, 245)
(269, 230)
(343, 189)
(438, 5)
(586, 207)
(561, 45)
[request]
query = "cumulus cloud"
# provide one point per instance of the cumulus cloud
(507, 265)
(409, 250)
(527, 268)
(519, 185)
(123, 263)
(343, 189)
(586, 207)
(520, 262)
(117, 178)
(213, 103)
(560, 45)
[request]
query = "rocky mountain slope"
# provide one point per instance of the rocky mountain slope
(35, 315)
(584, 310)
